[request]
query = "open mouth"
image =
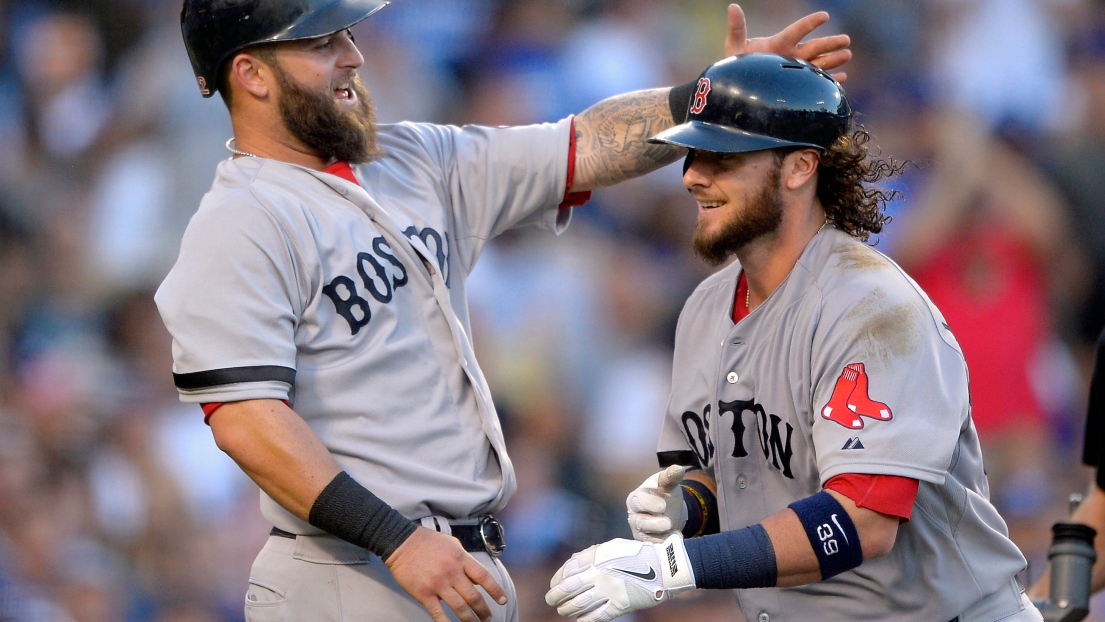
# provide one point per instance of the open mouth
(345, 93)
(709, 205)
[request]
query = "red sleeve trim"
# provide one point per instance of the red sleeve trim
(888, 494)
(573, 199)
(210, 407)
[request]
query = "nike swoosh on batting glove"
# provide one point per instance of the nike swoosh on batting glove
(656, 508)
(617, 577)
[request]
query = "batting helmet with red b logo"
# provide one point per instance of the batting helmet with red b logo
(753, 102)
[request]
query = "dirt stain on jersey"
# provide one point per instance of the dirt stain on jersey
(860, 257)
(886, 330)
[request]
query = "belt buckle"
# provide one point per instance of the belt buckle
(491, 533)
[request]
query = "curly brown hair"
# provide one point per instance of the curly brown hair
(844, 185)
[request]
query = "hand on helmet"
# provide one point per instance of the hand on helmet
(827, 53)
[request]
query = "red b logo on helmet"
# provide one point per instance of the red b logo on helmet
(699, 103)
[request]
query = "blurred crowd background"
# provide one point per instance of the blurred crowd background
(115, 504)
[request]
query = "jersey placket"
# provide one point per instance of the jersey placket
(735, 463)
(417, 254)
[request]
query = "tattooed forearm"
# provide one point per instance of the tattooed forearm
(611, 135)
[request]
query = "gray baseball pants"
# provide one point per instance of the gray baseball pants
(322, 578)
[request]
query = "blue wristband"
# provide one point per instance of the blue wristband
(739, 559)
(702, 511)
(831, 532)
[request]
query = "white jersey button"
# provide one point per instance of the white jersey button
(732, 377)
(343, 191)
(763, 617)
(742, 483)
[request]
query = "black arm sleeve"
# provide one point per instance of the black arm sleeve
(1093, 449)
(351, 512)
(679, 100)
(685, 458)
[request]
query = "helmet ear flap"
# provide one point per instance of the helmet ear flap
(689, 160)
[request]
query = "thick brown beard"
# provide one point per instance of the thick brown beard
(762, 215)
(315, 119)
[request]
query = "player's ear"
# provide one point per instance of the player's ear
(251, 74)
(799, 168)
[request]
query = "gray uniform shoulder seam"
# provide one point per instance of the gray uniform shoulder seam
(443, 155)
(289, 244)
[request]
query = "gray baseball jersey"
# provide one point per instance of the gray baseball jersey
(298, 285)
(846, 368)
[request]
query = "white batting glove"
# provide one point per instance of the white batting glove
(656, 508)
(614, 578)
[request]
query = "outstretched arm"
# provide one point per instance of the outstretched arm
(614, 578)
(612, 135)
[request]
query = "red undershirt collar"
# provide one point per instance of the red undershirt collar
(342, 169)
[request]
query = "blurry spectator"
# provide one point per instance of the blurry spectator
(429, 40)
(1076, 161)
(401, 87)
(984, 234)
(17, 273)
(613, 54)
(632, 385)
(59, 55)
(1001, 59)
(519, 74)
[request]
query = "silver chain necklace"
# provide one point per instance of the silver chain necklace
(748, 289)
(230, 147)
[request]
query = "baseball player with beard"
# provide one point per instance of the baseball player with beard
(819, 440)
(318, 307)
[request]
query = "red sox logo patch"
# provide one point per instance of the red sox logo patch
(699, 103)
(850, 400)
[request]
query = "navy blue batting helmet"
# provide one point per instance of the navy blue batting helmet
(758, 101)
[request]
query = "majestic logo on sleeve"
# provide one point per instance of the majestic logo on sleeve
(850, 400)
(699, 103)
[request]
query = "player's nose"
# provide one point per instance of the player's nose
(696, 174)
(351, 56)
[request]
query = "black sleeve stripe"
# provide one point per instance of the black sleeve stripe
(232, 375)
(684, 458)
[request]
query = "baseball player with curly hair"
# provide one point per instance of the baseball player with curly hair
(318, 308)
(819, 454)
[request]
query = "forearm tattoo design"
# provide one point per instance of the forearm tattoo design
(611, 138)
